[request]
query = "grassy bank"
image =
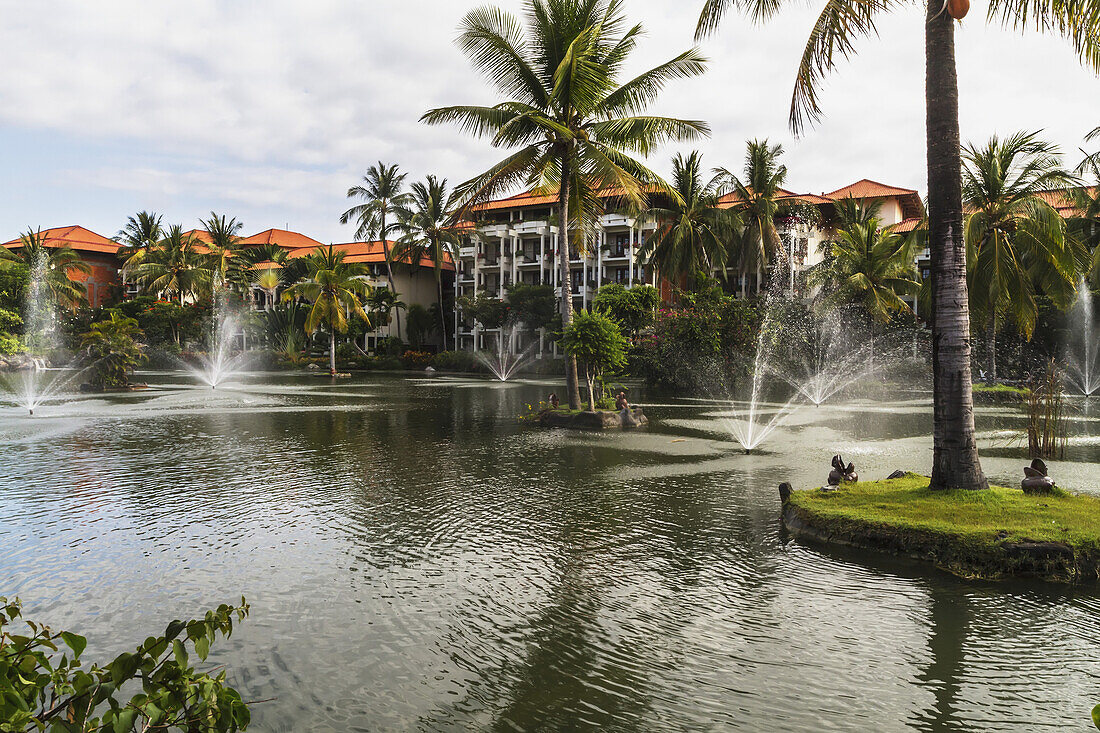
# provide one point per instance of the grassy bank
(991, 534)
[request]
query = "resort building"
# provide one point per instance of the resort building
(103, 283)
(514, 240)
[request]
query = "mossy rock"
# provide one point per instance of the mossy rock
(994, 534)
(588, 419)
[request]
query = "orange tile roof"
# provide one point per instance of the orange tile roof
(911, 205)
(77, 237)
(733, 197)
(281, 238)
(1061, 201)
(368, 253)
(199, 235)
(907, 225)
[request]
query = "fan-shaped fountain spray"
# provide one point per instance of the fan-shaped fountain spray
(220, 363)
(504, 361)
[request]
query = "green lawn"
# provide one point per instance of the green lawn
(975, 533)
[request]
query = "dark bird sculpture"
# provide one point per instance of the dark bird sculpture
(842, 473)
(1036, 480)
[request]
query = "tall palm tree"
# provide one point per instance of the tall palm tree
(575, 123)
(427, 232)
(870, 265)
(225, 250)
(381, 195)
(759, 202)
(56, 264)
(174, 268)
(335, 289)
(955, 461)
(142, 231)
(693, 233)
(1016, 241)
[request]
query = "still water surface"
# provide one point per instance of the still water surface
(417, 560)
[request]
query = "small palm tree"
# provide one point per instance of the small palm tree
(335, 289)
(576, 124)
(427, 232)
(113, 349)
(1084, 224)
(174, 268)
(759, 202)
(57, 266)
(869, 265)
(269, 268)
(382, 303)
(142, 231)
(381, 195)
(225, 250)
(1015, 239)
(693, 233)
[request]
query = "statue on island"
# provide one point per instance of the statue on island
(1036, 480)
(552, 401)
(625, 413)
(841, 473)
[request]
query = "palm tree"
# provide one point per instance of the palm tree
(142, 231)
(575, 123)
(381, 195)
(955, 461)
(868, 264)
(759, 201)
(174, 268)
(225, 250)
(382, 302)
(1015, 239)
(427, 233)
(57, 266)
(1084, 224)
(335, 289)
(693, 233)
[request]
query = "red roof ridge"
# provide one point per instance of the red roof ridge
(836, 194)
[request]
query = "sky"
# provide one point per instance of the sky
(270, 110)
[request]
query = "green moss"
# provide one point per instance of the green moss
(996, 515)
(999, 389)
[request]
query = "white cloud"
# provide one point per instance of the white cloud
(275, 104)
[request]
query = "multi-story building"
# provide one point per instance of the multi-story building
(103, 283)
(515, 240)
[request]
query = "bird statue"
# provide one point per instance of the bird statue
(1036, 480)
(842, 473)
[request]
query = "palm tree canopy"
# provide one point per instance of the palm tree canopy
(425, 226)
(174, 267)
(565, 100)
(842, 23)
(381, 194)
(1016, 240)
(56, 264)
(225, 249)
(141, 231)
(693, 233)
(333, 287)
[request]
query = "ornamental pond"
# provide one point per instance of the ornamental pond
(417, 559)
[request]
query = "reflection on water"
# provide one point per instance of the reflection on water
(417, 560)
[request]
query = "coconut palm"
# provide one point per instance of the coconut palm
(225, 250)
(58, 265)
(427, 233)
(575, 123)
(1084, 224)
(760, 199)
(1016, 241)
(335, 289)
(174, 268)
(693, 233)
(955, 461)
(381, 195)
(142, 231)
(869, 265)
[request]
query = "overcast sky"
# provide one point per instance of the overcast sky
(269, 111)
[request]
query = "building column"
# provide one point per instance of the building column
(630, 259)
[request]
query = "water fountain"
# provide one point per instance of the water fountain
(220, 363)
(1082, 350)
(34, 382)
(504, 361)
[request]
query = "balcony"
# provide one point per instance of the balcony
(616, 253)
(466, 252)
(536, 226)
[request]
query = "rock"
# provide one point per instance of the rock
(785, 491)
(1036, 480)
(588, 420)
(896, 474)
(429, 369)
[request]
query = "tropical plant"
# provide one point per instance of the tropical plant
(174, 268)
(632, 308)
(490, 312)
(113, 351)
(575, 123)
(57, 266)
(1016, 241)
(381, 194)
(1084, 223)
(420, 322)
(142, 231)
(46, 686)
(428, 234)
(869, 265)
(335, 289)
(225, 251)
(532, 305)
(597, 342)
(382, 302)
(693, 232)
(760, 199)
(955, 461)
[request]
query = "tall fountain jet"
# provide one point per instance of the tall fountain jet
(504, 360)
(220, 363)
(1082, 362)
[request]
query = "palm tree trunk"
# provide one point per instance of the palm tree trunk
(332, 353)
(572, 388)
(389, 265)
(955, 463)
(991, 346)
